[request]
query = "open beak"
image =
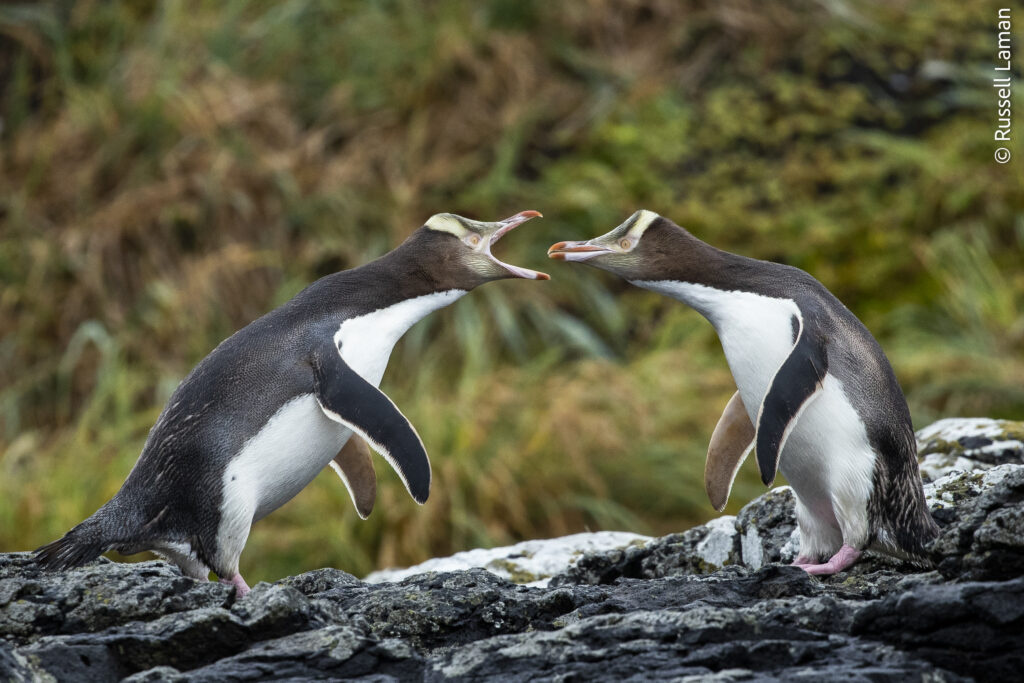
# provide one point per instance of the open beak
(575, 251)
(505, 226)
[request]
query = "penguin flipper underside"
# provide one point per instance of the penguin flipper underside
(796, 383)
(354, 466)
(730, 445)
(345, 397)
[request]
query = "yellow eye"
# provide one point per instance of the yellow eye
(625, 243)
(474, 240)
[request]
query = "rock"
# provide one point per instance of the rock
(436, 610)
(320, 580)
(763, 532)
(767, 527)
(182, 640)
(966, 444)
(737, 644)
(531, 563)
(718, 547)
(14, 667)
(715, 602)
(274, 610)
(335, 652)
(982, 514)
(969, 628)
(94, 597)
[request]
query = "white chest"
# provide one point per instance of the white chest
(756, 331)
(366, 341)
(291, 449)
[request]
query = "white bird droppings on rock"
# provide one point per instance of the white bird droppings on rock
(965, 444)
(716, 548)
(791, 549)
(956, 428)
(531, 563)
(956, 485)
(750, 548)
(935, 466)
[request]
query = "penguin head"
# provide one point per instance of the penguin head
(631, 250)
(468, 243)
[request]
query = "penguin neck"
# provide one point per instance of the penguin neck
(703, 277)
(419, 267)
(413, 283)
(365, 341)
(382, 299)
(396, 291)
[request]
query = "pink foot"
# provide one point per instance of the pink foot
(241, 587)
(801, 561)
(843, 559)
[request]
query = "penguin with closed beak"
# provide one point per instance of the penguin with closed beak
(817, 398)
(279, 400)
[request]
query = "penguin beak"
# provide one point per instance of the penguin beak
(576, 251)
(505, 226)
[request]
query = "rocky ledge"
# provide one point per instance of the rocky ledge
(715, 602)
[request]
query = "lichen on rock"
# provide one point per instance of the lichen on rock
(529, 562)
(968, 444)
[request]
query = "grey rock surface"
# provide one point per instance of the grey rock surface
(968, 444)
(716, 602)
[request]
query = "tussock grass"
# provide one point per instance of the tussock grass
(170, 171)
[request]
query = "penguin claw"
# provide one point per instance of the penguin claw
(843, 559)
(241, 587)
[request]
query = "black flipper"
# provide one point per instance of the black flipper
(797, 381)
(346, 397)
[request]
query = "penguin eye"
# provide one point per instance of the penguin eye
(625, 243)
(473, 239)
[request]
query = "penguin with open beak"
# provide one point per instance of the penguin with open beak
(279, 400)
(817, 398)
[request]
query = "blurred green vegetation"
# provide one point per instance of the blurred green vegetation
(171, 170)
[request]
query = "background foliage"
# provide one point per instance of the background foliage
(171, 170)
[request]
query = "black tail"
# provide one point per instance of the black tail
(81, 545)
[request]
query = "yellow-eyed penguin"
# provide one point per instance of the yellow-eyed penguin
(817, 396)
(272, 405)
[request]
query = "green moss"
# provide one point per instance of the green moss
(1011, 431)
(936, 445)
(515, 573)
(963, 486)
(704, 567)
(1008, 431)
